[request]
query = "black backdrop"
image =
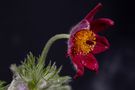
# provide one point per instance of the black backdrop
(26, 25)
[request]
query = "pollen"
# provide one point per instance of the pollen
(84, 41)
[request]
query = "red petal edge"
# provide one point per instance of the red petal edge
(90, 62)
(101, 24)
(78, 65)
(92, 13)
(102, 45)
(81, 61)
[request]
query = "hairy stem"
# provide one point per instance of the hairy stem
(49, 44)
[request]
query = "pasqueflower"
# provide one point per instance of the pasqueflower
(84, 41)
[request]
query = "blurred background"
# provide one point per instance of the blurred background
(26, 25)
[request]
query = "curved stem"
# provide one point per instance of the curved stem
(49, 44)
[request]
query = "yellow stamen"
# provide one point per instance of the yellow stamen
(84, 41)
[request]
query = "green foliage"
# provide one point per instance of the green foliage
(35, 76)
(2, 87)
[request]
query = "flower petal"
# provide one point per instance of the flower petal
(90, 62)
(78, 65)
(92, 13)
(102, 45)
(101, 24)
(84, 24)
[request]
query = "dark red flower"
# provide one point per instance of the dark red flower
(84, 41)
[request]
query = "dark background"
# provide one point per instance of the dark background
(26, 25)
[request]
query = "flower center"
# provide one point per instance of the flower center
(84, 41)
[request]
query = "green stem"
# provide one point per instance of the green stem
(49, 44)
